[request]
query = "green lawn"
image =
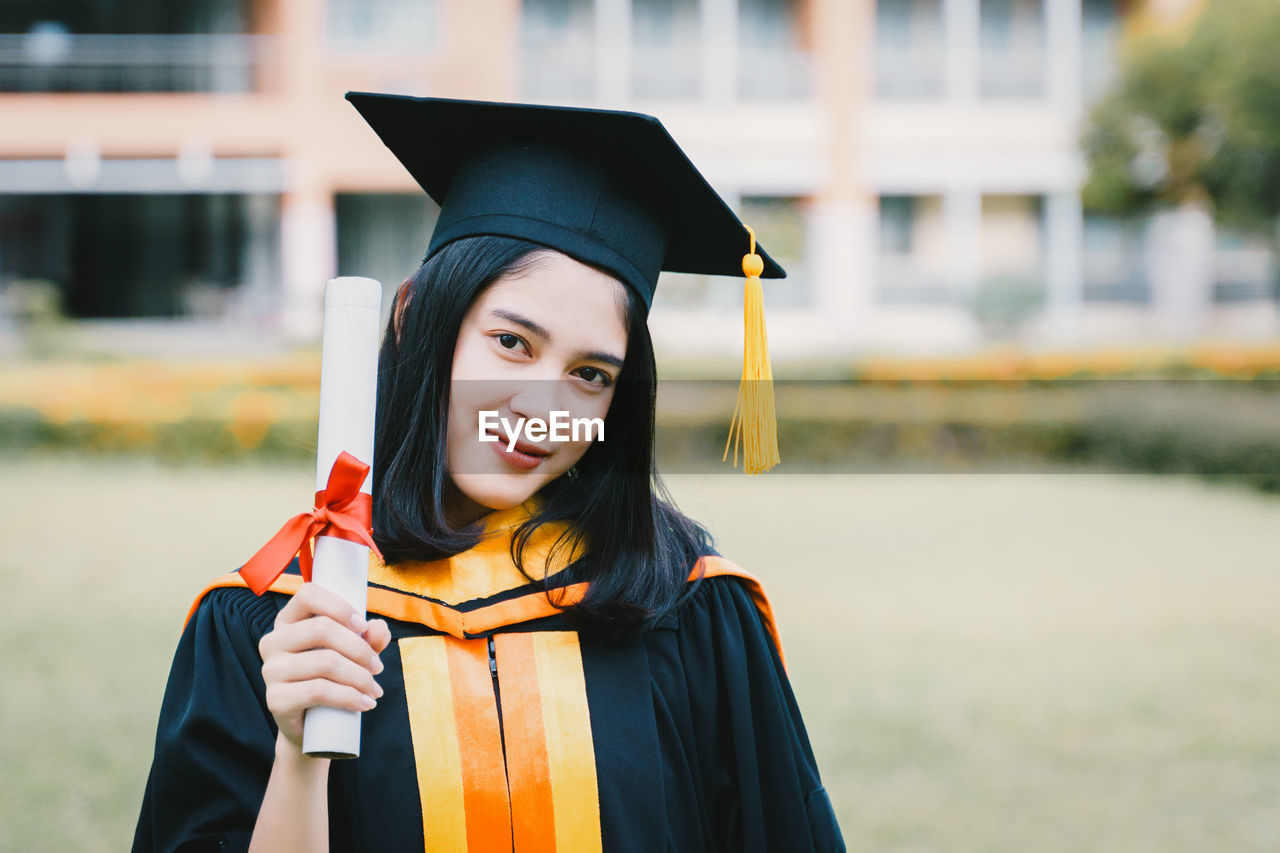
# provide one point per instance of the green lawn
(986, 663)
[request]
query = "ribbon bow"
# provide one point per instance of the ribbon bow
(341, 510)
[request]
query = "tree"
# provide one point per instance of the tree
(1194, 120)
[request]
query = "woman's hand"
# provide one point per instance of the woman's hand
(320, 652)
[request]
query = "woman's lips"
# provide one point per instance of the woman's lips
(525, 456)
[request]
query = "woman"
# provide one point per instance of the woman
(565, 663)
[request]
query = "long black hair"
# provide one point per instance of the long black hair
(638, 548)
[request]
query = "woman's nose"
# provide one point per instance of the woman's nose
(537, 398)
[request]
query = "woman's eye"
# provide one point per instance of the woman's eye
(595, 376)
(508, 341)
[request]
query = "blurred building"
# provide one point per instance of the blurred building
(185, 172)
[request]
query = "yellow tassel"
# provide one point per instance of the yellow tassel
(755, 421)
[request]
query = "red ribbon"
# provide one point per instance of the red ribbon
(341, 510)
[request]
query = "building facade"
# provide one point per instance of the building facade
(913, 163)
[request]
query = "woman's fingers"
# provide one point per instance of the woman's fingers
(315, 618)
(292, 697)
(318, 632)
(323, 664)
(320, 652)
(311, 600)
(377, 635)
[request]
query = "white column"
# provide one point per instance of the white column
(259, 299)
(613, 51)
(719, 50)
(308, 249)
(1181, 265)
(1063, 28)
(962, 221)
(841, 263)
(961, 24)
(1063, 264)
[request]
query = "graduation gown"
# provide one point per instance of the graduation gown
(501, 728)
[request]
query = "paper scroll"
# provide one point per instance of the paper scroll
(348, 396)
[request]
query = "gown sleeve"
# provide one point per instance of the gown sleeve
(760, 782)
(215, 742)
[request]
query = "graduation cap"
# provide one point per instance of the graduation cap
(608, 188)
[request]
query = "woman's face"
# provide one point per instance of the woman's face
(550, 339)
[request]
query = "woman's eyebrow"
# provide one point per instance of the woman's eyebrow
(523, 321)
(603, 356)
(594, 355)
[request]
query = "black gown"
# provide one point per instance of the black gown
(502, 729)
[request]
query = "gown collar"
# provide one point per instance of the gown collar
(486, 569)
(481, 591)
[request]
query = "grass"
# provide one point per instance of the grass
(985, 663)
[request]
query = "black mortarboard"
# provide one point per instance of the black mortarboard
(609, 188)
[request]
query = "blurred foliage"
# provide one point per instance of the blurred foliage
(1209, 411)
(1215, 430)
(176, 411)
(1196, 116)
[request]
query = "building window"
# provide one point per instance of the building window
(909, 49)
(1012, 48)
(209, 257)
(897, 216)
(781, 224)
(1012, 236)
(130, 17)
(399, 26)
(1011, 286)
(557, 50)
(1099, 37)
(1112, 267)
(912, 258)
(773, 63)
(119, 46)
(383, 236)
(1245, 267)
(666, 55)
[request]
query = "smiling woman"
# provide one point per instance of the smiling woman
(550, 338)
(493, 323)
(564, 662)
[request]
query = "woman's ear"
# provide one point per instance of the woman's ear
(397, 310)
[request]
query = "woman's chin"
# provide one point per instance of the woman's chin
(497, 491)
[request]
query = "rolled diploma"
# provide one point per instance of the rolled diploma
(348, 396)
